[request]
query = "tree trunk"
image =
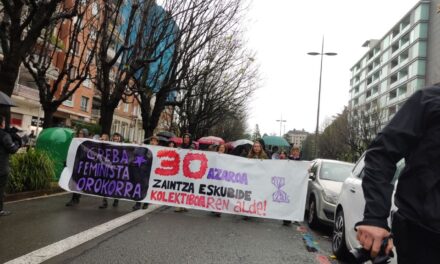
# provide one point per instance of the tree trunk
(146, 124)
(8, 75)
(7, 81)
(106, 119)
(48, 117)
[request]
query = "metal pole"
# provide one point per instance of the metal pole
(319, 102)
(281, 123)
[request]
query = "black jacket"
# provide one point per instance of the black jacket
(413, 134)
(7, 147)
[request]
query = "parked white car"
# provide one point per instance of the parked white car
(325, 183)
(350, 210)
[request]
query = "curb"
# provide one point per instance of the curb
(31, 194)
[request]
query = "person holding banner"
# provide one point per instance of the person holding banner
(154, 140)
(256, 152)
(115, 138)
(295, 154)
(221, 149)
(82, 133)
(283, 156)
(186, 144)
(186, 141)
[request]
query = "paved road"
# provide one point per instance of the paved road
(162, 236)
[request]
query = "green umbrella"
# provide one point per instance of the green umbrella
(56, 141)
(275, 141)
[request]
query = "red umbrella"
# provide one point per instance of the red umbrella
(229, 145)
(176, 140)
(211, 140)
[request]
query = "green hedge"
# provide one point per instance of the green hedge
(31, 170)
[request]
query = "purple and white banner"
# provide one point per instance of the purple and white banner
(188, 178)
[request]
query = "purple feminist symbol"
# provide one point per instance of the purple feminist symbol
(279, 196)
(139, 160)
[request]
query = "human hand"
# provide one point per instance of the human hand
(371, 237)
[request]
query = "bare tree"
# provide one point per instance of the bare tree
(333, 140)
(200, 24)
(134, 35)
(363, 125)
(21, 24)
(68, 48)
(256, 134)
(226, 79)
(231, 127)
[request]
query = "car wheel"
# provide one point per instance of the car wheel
(339, 246)
(312, 219)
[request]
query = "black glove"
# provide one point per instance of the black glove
(361, 255)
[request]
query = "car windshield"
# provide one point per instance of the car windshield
(335, 171)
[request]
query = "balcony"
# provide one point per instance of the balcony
(26, 92)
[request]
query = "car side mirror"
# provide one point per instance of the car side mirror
(312, 176)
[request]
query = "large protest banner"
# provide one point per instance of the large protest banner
(188, 178)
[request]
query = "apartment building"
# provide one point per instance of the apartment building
(84, 105)
(297, 137)
(404, 60)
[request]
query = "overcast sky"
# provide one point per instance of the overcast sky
(281, 32)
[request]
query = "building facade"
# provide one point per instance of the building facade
(296, 137)
(401, 62)
(83, 106)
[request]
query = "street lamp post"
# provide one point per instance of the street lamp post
(281, 120)
(319, 90)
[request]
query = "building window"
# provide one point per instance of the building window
(403, 73)
(76, 47)
(115, 126)
(404, 40)
(402, 90)
(394, 63)
(94, 9)
(72, 73)
(84, 103)
(88, 82)
(126, 107)
(69, 101)
(392, 110)
(393, 94)
(355, 101)
(123, 129)
(393, 79)
(395, 47)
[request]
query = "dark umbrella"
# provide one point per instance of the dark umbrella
(241, 150)
(6, 100)
(159, 138)
(166, 134)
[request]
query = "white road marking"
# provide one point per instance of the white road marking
(64, 245)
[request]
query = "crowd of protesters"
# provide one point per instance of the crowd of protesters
(256, 151)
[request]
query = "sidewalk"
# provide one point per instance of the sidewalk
(35, 223)
(31, 194)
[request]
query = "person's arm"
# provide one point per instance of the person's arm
(9, 145)
(394, 142)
